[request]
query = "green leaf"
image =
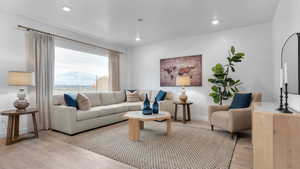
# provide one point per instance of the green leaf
(229, 59)
(215, 89)
(240, 54)
(232, 50)
(212, 80)
(232, 69)
(236, 89)
(218, 69)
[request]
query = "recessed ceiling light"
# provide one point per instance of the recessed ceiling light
(66, 9)
(215, 22)
(138, 27)
(137, 39)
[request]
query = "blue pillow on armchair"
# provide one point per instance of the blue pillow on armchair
(70, 100)
(161, 95)
(241, 100)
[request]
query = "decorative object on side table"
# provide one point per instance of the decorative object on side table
(185, 105)
(290, 56)
(281, 89)
(147, 109)
(286, 108)
(225, 86)
(13, 124)
(17, 78)
(183, 81)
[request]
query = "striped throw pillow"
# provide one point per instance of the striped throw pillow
(132, 96)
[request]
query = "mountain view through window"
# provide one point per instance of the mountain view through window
(77, 71)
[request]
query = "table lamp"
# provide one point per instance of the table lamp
(183, 81)
(18, 78)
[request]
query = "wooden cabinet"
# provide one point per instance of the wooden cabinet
(275, 138)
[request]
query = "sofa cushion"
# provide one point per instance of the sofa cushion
(108, 98)
(132, 96)
(58, 100)
(70, 100)
(142, 94)
(95, 99)
(100, 111)
(119, 96)
(169, 96)
(83, 102)
(152, 95)
(134, 106)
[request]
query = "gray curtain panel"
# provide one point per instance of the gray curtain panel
(114, 71)
(41, 49)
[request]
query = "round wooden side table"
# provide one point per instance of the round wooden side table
(13, 124)
(185, 112)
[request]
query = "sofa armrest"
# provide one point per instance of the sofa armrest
(215, 108)
(167, 105)
(240, 119)
(63, 118)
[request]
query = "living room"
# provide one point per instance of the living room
(158, 84)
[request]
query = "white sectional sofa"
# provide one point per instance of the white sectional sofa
(107, 108)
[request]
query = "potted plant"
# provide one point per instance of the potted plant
(225, 86)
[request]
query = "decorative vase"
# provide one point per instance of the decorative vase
(147, 109)
(183, 97)
(21, 103)
(155, 107)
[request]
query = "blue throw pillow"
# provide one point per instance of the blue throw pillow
(241, 100)
(161, 95)
(70, 100)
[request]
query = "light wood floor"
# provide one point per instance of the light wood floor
(52, 151)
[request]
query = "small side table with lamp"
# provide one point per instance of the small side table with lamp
(183, 81)
(17, 78)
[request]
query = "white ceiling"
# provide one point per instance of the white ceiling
(116, 20)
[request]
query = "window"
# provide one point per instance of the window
(77, 71)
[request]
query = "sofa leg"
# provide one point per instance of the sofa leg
(212, 127)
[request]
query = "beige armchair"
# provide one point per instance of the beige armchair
(232, 120)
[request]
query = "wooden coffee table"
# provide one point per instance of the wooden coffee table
(137, 119)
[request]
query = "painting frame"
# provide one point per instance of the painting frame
(170, 68)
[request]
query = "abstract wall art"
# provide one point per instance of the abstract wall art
(190, 66)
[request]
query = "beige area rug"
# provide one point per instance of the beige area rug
(186, 148)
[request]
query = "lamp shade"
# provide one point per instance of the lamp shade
(183, 81)
(16, 78)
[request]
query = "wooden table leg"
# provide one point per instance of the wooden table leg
(184, 113)
(36, 132)
(16, 126)
(134, 129)
(175, 115)
(9, 130)
(169, 127)
(189, 112)
(141, 124)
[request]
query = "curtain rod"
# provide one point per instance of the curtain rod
(66, 38)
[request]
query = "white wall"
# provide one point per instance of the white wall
(13, 57)
(255, 71)
(285, 22)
